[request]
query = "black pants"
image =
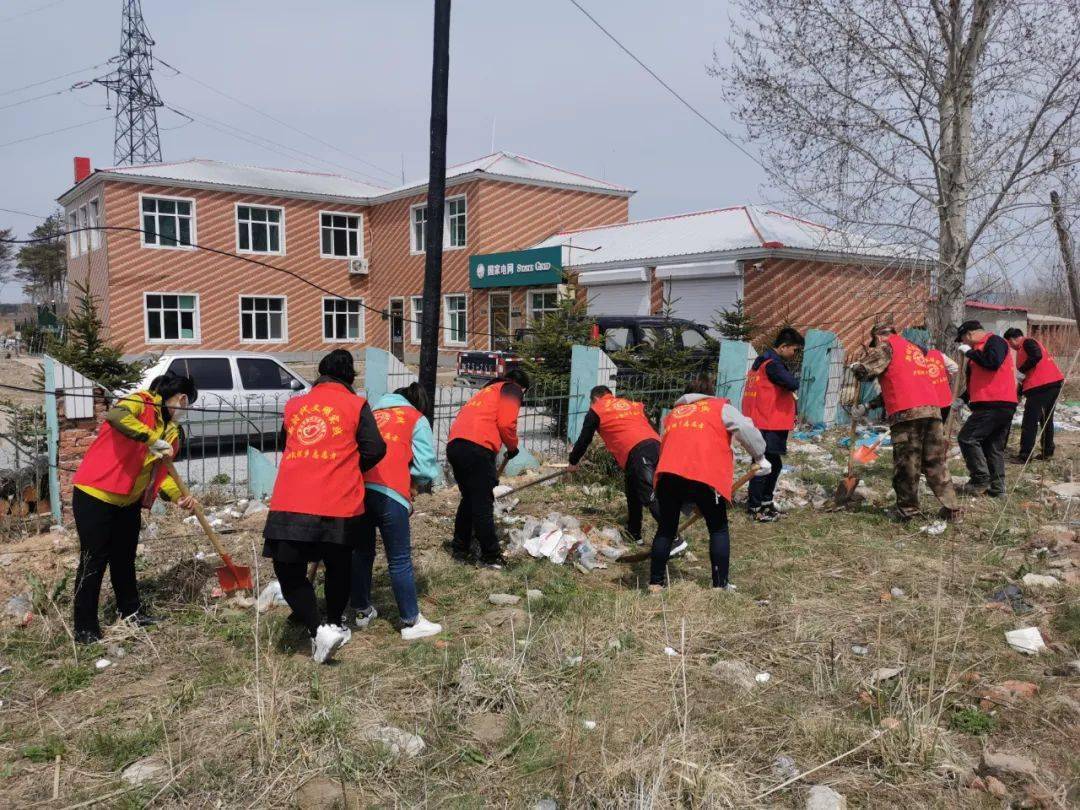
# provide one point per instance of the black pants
(476, 476)
(761, 489)
(108, 537)
(1038, 411)
(300, 593)
(672, 491)
(638, 485)
(982, 441)
(945, 411)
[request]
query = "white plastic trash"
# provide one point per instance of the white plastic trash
(271, 595)
(1027, 640)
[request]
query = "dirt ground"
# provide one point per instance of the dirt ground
(889, 677)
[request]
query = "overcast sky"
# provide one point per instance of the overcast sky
(357, 74)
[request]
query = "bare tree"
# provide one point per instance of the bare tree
(935, 124)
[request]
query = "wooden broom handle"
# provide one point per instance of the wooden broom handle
(198, 510)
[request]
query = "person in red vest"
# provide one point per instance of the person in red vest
(991, 395)
(317, 506)
(635, 444)
(121, 473)
(769, 401)
(942, 370)
(911, 400)
(696, 468)
(484, 424)
(408, 466)
(1041, 387)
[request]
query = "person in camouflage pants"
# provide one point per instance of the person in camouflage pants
(918, 438)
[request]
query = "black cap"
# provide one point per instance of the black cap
(965, 327)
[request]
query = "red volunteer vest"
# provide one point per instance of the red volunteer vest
(697, 446)
(319, 472)
(1046, 371)
(113, 462)
(623, 425)
(769, 406)
(477, 421)
(992, 386)
(396, 427)
(939, 378)
(906, 383)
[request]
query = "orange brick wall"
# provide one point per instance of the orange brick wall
(501, 216)
(845, 299)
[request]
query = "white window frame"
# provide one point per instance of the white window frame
(240, 318)
(359, 236)
(361, 338)
(281, 228)
(390, 321)
(196, 321)
(84, 243)
(529, 318)
(93, 219)
(73, 235)
(194, 219)
(415, 327)
(447, 340)
(417, 250)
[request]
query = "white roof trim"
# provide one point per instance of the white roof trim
(710, 270)
(597, 278)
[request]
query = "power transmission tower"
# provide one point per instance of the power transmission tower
(136, 140)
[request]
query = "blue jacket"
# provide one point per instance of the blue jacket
(423, 466)
(777, 371)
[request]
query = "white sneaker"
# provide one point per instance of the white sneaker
(365, 617)
(326, 642)
(679, 548)
(421, 628)
(345, 631)
(730, 588)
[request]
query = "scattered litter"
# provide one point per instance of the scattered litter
(614, 644)
(546, 804)
(763, 677)
(935, 528)
(1040, 581)
(670, 651)
(57, 529)
(144, 770)
(19, 606)
(116, 651)
(504, 599)
(589, 724)
(558, 537)
(103, 663)
(397, 741)
(883, 674)
(860, 649)
(150, 532)
(822, 797)
(255, 507)
(1027, 640)
(734, 673)
(573, 660)
(501, 489)
(762, 603)
(1012, 596)
(897, 593)
(784, 767)
(270, 597)
(1069, 489)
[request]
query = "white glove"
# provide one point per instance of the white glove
(858, 411)
(161, 448)
(764, 467)
(964, 348)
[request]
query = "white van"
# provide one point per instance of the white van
(242, 395)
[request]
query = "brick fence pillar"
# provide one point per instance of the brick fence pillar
(76, 436)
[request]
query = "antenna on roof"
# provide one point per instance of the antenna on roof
(402, 168)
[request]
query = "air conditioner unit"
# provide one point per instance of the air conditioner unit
(358, 266)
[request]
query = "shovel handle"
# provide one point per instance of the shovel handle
(502, 467)
(200, 515)
(535, 481)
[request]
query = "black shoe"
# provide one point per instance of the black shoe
(1044, 457)
(1018, 460)
(973, 489)
(994, 493)
(896, 516)
(141, 619)
(87, 636)
(495, 562)
(764, 515)
(463, 557)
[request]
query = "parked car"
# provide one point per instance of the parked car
(618, 334)
(242, 395)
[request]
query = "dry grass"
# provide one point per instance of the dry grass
(232, 706)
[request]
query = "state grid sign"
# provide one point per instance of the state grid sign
(516, 268)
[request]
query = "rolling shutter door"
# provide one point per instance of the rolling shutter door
(616, 292)
(698, 292)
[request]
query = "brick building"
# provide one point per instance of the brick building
(156, 290)
(787, 271)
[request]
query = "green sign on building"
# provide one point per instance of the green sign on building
(516, 268)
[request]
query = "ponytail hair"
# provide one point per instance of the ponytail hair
(416, 395)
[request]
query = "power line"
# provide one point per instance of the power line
(30, 11)
(241, 102)
(22, 213)
(36, 98)
(708, 121)
(52, 79)
(52, 132)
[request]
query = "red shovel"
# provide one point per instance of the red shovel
(231, 577)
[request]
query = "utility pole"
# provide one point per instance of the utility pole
(1065, 241)
(433, 227)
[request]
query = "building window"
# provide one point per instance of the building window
(82, 230)
(93, 220)
(455, 320)
(73, 236)
(172, 317)
(456, 222)
(542, 303)
(258, 229)
(416, 304)
(418, 218)
(343, 319)
(341, 236)
(262, 319)
(167, 222)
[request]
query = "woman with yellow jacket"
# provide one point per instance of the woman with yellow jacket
(120, 474)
